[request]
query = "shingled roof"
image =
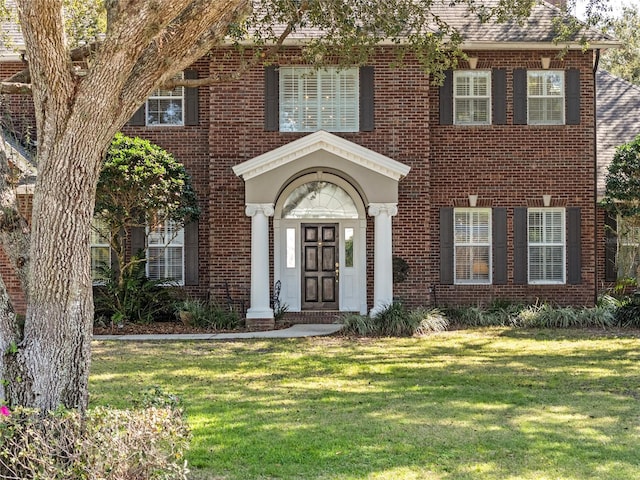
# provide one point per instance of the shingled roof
(618, 119)
(538, 28)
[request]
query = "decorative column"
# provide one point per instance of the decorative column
(260, 314)
(382, 256)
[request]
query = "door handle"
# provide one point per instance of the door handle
(337, 272)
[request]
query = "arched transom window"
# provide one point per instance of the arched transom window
(319, 199)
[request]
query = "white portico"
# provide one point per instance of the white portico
(319, 190)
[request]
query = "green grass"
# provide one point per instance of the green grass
(472, 404)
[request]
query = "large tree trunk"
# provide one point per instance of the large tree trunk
(76, 118)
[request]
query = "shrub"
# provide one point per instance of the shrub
(428, 320)
(137, 300)
(208, 315)
(395, 320)
(107, 444)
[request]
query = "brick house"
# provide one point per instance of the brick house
(321, 181)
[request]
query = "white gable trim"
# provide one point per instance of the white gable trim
(328, 142)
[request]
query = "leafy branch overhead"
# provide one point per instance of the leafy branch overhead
(320, 27)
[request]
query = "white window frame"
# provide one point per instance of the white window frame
(474, 243)
(546, 96)
(168, 241)
(628, 236)
(175, 96)
(472, 97)
(301, 98)
(99, 242)
(547, 244)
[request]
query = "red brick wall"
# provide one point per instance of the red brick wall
(513, 166)
(506, 166)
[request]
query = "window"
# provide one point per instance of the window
(472, 245)
(100, 251)
(472, 97)
(545, 97)
(546, 243)
(312, 100)
(628, 253)
(166, 107)
(165, 253)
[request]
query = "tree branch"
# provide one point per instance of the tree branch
(15, 88)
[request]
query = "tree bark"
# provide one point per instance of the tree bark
(76, 118)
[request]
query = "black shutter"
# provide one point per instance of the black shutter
(191, 100)
(574, 244)
(610, 247)
(446, 99)
(519, 96)
(573, 96)
(499, 96)
(139, 118)
(446, 246)
(191, 253)
(138, 240)
(520, 246)
(499, 216)
(366, 99)
(271, 99)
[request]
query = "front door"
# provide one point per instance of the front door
(320, 267)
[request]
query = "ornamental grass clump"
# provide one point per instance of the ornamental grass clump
(106, 444)
(395, 321)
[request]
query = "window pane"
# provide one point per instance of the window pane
(291, 248)
(165, 107)
(546, 245)
(348, 247)
(545, 97)
(165, 255)
(472, 97)
(311, 100)
(319, 200)
(472, 239)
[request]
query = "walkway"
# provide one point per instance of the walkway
(296, 331)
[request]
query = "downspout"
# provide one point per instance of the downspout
(596, 237)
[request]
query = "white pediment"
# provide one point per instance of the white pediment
(321, 141)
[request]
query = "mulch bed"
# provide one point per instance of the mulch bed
(163, 328)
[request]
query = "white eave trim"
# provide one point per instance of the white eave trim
(322, 140)
(538, 45)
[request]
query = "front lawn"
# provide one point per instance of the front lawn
(471, 404)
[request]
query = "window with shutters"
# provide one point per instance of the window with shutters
(166, 107)
(546, 244)
(100, 252)
(628, 249)
(312, 100)
(165, 253)
(472, 97)
(472, 245)
(545, 97)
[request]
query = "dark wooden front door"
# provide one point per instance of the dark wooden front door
(320, 266)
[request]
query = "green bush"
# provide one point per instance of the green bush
(107, 444)
(395, 321)
(208, 314)
(137, 300)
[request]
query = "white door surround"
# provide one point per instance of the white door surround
(370, 180)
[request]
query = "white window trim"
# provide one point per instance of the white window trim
(303, 73)
(562, 121)
(627, 236)
(97, 224)
(177, 98)
(472, 74)
(168, 243)
(488, 244)
(563, 244)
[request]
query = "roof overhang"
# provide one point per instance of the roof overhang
(322, 141)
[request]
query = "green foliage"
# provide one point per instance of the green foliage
(624, 61)
(622, 195)
(132, 298)
(107, 444)
(207, 314)
(143, 184)
(395, 321)
(542, 315)
(84, 20)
